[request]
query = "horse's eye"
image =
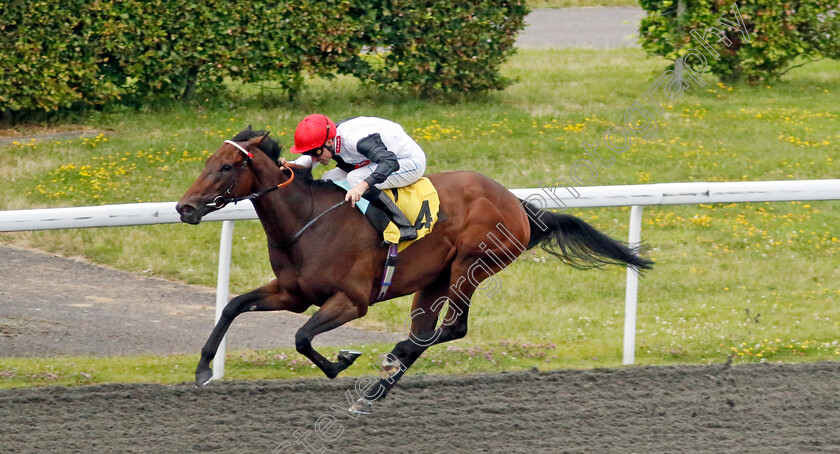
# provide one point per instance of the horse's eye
(226, 168)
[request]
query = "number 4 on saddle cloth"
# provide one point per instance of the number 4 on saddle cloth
(418, 201)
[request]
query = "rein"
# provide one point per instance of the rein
(222, 201)
(308, 224)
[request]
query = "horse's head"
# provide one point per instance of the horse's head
(226, 176)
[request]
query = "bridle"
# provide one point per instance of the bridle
(222, 200)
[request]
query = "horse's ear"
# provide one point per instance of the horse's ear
(266, 134)
(248, 128)
(254, 142)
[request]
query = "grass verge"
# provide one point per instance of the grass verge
(283, 364)
(757, 280)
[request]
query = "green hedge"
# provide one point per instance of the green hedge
(61, 53)
(47, 58)
(440, 46)
(779, 33)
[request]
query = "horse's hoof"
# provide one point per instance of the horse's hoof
(349, 356)
(390, 367)
(203, 377)
(361, 407)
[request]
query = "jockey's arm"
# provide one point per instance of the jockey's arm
(303, 161)
(373, 149)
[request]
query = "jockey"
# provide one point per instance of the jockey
(370, 153)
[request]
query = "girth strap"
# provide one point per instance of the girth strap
(388, 273)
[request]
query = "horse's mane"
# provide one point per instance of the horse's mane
(273, 150)
(268, 146)
(304, 175)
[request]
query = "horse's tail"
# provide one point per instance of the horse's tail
(578, 243)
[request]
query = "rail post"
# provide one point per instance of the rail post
(632, 291)
(222, 285)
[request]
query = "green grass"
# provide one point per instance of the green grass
(461, 357)
(279, 364)
(718, 267)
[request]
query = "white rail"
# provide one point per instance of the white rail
(638, 196)
(686, 193)
(110, 216)
(557, 197)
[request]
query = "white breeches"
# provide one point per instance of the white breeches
(411, 169)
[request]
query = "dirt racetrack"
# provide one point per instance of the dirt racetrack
(756, 408)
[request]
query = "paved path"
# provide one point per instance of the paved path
(56, 306)
(583, 27)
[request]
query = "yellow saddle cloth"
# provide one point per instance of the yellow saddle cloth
(420, 202)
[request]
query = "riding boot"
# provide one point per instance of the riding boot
(378, 198)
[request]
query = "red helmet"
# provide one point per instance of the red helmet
(313, 132)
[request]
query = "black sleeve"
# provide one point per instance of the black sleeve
(339, 162)
(373, 149)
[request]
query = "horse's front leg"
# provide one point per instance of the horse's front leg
(270, 297)
(336, 311)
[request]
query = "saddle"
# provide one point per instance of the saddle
(418, 201)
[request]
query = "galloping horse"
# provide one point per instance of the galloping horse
(336, 262)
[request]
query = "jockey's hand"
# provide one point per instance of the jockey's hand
(290, 164)
(355, 193)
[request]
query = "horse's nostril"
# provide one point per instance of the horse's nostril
(186, 210)
(189, 213)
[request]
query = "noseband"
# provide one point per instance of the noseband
(222, 200)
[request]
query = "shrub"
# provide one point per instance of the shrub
(435, 47)
(48, 61)
(58, 53)
(779, 33)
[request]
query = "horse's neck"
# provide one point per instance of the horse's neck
(285, 211)
(280, 211)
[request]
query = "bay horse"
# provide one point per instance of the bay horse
(336, 262)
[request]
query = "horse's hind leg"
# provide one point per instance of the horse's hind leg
(427, 305)
(267, 298)
(336, 311)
